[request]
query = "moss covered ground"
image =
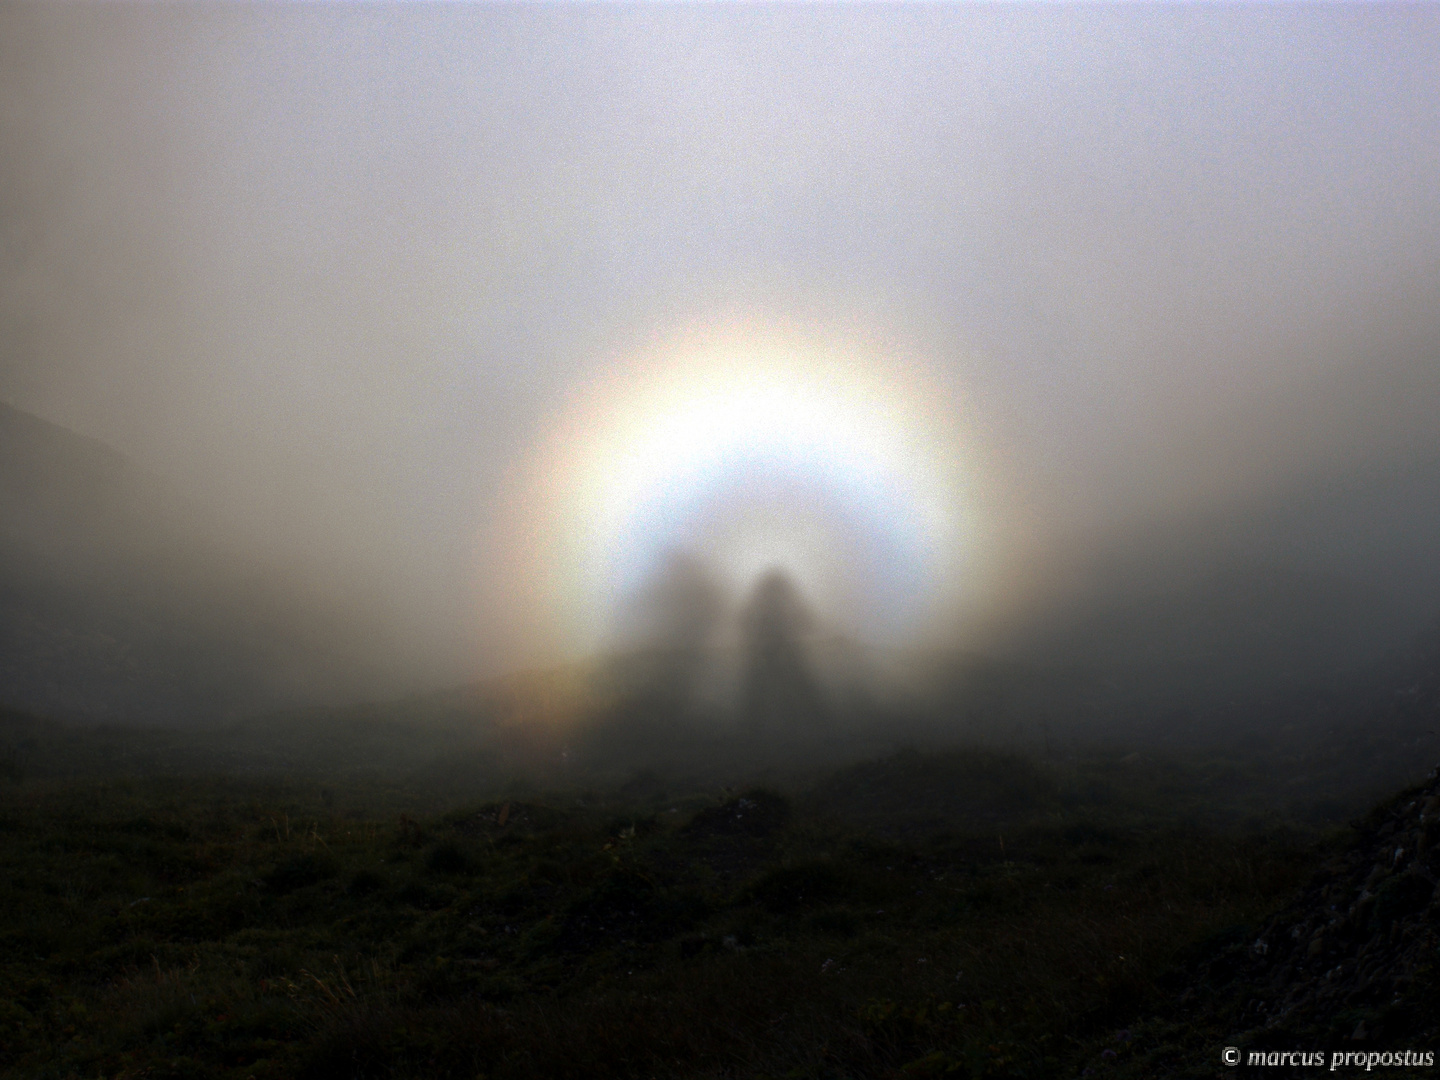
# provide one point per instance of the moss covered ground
(881, 921)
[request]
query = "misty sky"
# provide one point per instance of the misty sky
(336, 272)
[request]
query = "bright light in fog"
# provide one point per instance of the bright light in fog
(843, 471)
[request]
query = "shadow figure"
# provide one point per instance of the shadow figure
(780, 699)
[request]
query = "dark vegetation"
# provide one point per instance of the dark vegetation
(1348, 966)
(967, 912)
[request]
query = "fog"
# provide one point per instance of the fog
(380, 306)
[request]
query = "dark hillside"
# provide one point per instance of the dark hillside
(379, 893)
(1348, 967)
(173, 927)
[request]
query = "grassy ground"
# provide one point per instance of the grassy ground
(216, 928)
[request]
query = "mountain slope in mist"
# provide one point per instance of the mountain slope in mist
(119, 600)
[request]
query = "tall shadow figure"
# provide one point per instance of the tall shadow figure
(781, 700)
(680, 613)
(656, 712)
